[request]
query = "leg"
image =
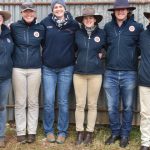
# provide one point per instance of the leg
(128, 85)
(64, 84)
(4, 91)
(49, 78)
(19, 80)
(112, 91)
(34, 80)
(128, 95)
(94, 85)
(80, 86)
(145, 115)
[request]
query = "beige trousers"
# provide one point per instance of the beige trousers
(86, 87)
(145, 115)
(26, 84)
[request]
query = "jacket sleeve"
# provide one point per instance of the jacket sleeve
(105, 40)
(141, 29)
(44, 34)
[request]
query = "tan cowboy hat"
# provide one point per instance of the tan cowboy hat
(89, 11)
(6, 14)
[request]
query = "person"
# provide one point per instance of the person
(58, 66)
(120, 79)
(6, 49)
(27, 36)
(144, 86)
(90, 39)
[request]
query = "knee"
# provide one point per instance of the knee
(48, 106)
(80, 107)
(63, 103)
(92, 107)
(112, 108)
(145, 114)
(128, 107)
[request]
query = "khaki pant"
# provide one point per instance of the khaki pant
(145, 115)
(86, 87)
(26, 84)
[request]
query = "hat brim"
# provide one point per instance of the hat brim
(32, 9)
(5, 14)
(122, 7)
(97, 17)
(147, 15)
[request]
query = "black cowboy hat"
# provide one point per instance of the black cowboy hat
(147, 15)
(89, 11)
(121, 4)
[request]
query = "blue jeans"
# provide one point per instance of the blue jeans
(4, 91)
(62, 79)
(120, 85)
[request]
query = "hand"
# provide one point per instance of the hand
(100, 55)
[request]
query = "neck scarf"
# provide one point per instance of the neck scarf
(60, 23)
(90, 30)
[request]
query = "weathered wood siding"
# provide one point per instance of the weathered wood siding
(75, 7)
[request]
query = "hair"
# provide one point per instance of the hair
(130, 13)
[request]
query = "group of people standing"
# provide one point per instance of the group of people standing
(72, 50)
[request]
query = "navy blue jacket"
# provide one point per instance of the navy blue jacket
(58, 50)
(27, 40)
(122, 44)
(144, 69)
(6, 49)
(88, 61)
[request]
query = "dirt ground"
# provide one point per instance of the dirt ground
(100, 135)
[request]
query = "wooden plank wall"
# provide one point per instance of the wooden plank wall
(101, 6)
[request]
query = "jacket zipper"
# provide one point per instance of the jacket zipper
(118, 43)
(27, 46)
(4, 49)
(87, 54)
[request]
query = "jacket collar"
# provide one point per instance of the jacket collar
(5, 30)
(70, 18)
(24, 23)
(127, 20)
(94, 31)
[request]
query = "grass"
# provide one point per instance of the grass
(100, 135)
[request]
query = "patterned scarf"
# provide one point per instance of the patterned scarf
(90, 30)
(60, 23)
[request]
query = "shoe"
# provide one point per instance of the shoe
(2, 144)
(51, 138)
(88, 138)
(144, 148)
(112, 139)
(21, 139)
(80, 138)
(124, 142)
(31, 138)
(60, 139)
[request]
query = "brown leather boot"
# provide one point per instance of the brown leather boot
(88, 138)
(31, 138)
(80, 138)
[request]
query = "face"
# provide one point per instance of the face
(89, 21)
(1, 20)
(28, 15)
(121, 14)
(59, 11)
